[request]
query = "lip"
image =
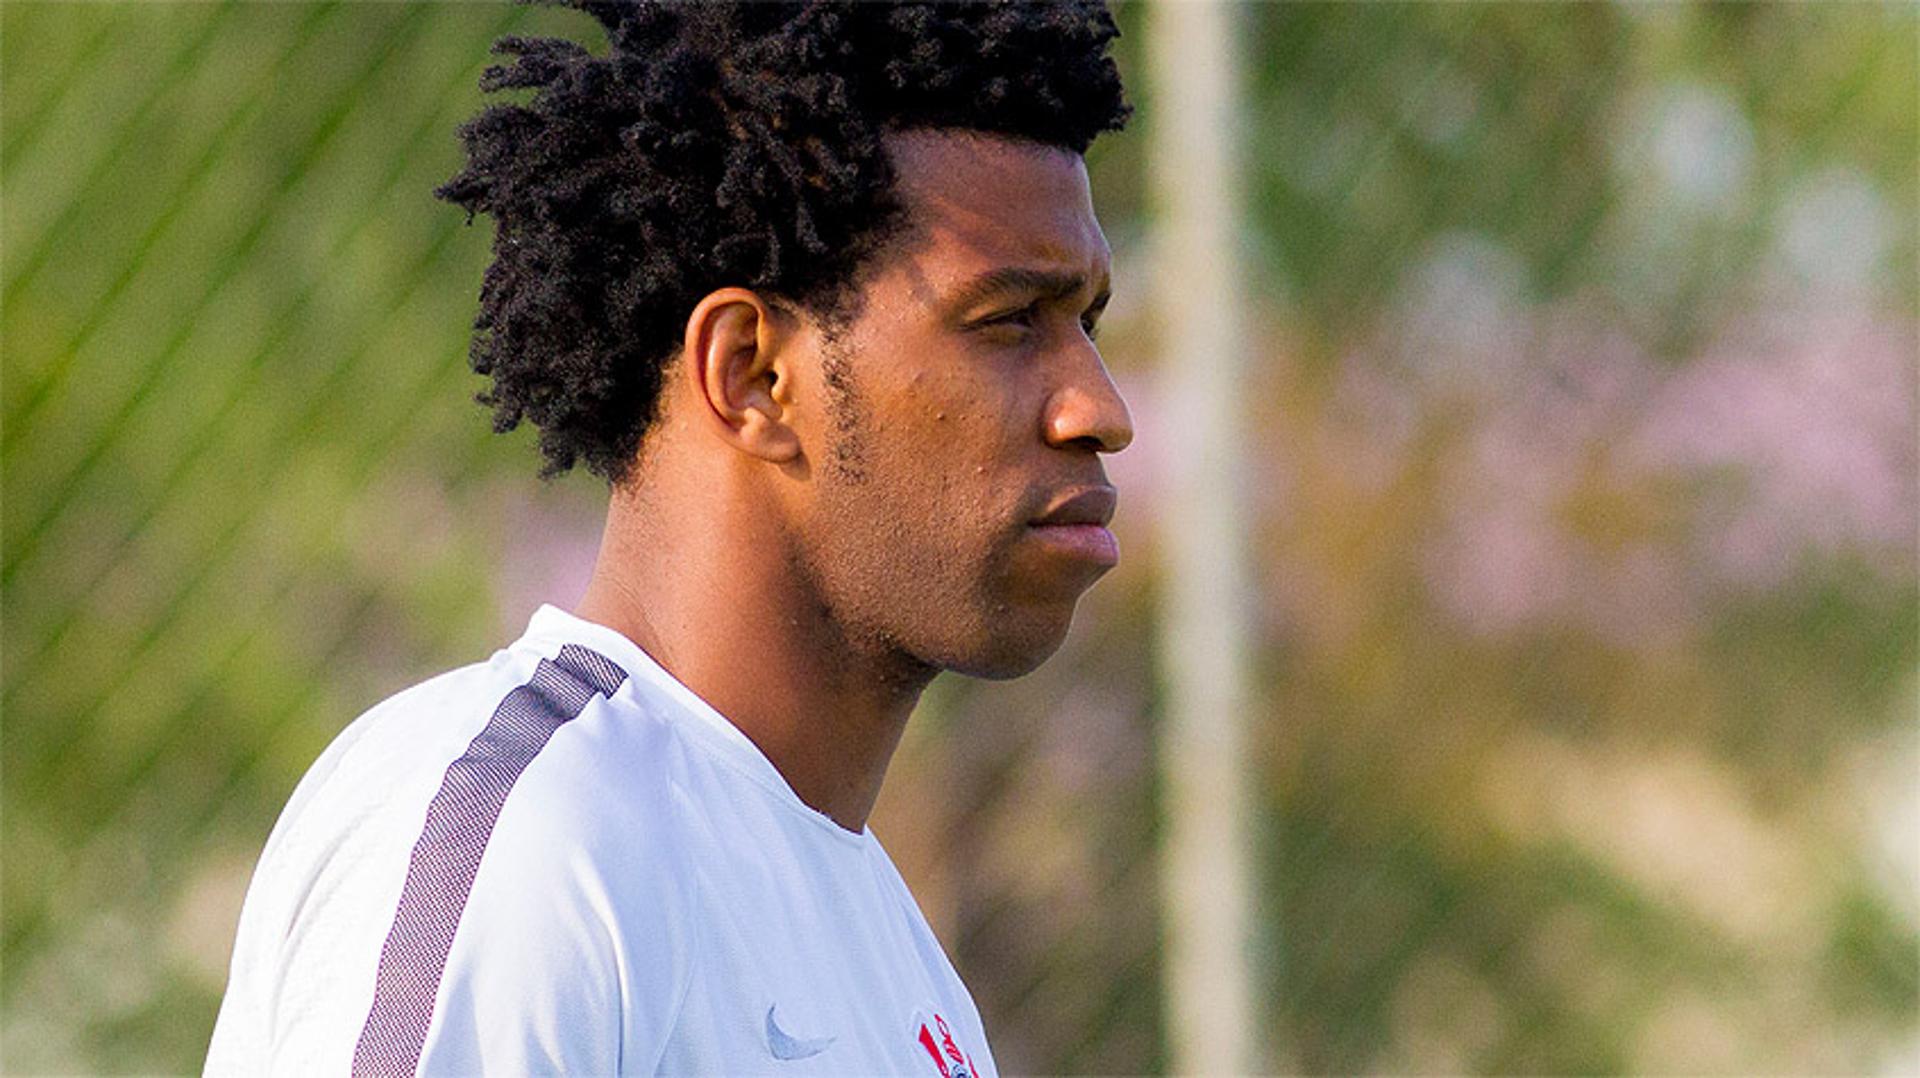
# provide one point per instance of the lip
(1088, 542)
(1086, 505)
(1075, 524)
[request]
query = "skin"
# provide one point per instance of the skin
(826, 517)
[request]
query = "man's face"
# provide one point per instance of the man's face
(958, 499)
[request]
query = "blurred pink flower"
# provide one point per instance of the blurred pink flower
(1592, 488)
(1811, 416)
(1540, 524)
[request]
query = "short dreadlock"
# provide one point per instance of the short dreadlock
(725, 144)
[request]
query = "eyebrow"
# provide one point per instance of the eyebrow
(1046, 284)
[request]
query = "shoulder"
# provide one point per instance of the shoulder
(414, 731)
(601, 794)
(323, 894)
(531, 754)
(546, 888)
(511, 832)
(527, 764)
(572, 948)
(496, 715)
(340, 844)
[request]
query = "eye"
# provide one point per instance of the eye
(1023, 317)
(1090, 318)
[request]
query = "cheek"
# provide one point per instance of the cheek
(958, 466)
(965, 419)
(947, 446)
(927, 529)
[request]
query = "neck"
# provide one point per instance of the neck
(743, 633)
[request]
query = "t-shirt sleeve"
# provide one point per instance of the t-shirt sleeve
(569, 957)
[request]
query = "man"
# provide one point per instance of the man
(813, 286)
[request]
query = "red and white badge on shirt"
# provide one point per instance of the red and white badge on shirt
(937, 1039)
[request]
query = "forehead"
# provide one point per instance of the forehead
(981, 202)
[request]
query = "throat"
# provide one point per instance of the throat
(749, 636)
(831, 740)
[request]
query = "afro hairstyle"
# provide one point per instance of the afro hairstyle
(719, 144)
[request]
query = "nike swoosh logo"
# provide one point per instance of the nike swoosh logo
(784, 1045)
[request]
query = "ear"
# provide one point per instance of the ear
(736, 358)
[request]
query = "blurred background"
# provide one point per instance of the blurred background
(1579, 386)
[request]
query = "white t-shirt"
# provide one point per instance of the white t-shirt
(563, 861)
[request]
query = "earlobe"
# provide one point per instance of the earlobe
(734, 357)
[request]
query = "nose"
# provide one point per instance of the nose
(1087, 411)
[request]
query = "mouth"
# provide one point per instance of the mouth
(1075, 525)
(1086, 542)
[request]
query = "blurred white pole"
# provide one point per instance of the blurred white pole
(1206, 882)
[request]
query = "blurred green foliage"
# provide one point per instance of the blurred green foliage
(1583, 405)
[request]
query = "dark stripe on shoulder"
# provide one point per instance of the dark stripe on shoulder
(460, 819)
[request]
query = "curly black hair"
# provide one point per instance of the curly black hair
(722, 144)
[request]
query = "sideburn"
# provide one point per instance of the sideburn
(846, 456)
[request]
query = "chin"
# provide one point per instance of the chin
(1008, 655)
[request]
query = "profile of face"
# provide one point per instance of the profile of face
(956, 507)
